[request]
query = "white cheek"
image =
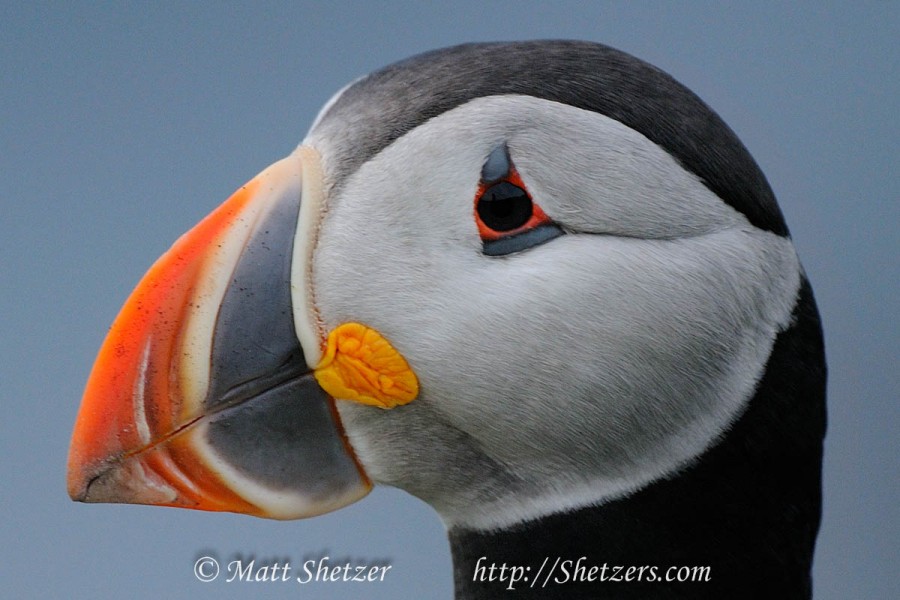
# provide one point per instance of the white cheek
(625, 343)
(588, 367)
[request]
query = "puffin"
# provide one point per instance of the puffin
(540, 286)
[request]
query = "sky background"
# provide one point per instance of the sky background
(122, 124)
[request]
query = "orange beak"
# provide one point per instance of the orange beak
(201, 396)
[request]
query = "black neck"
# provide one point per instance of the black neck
(749, 509)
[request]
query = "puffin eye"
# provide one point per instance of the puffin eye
(508, 219)
(504, 207)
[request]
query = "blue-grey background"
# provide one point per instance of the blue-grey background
(122, 124)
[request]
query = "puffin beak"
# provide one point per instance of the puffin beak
(201, 396)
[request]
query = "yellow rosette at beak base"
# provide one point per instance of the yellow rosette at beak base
(360, 365)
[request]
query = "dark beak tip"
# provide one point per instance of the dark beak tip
(128, 482)
(77, 492)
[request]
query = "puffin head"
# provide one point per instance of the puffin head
(511, 279)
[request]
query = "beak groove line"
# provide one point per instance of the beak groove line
(307, 320)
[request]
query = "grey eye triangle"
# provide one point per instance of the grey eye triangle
(497, 165)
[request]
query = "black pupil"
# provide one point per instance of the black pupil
(504, 207)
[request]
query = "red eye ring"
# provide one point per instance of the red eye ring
(525, 222)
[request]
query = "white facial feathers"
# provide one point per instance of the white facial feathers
(567, 374)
